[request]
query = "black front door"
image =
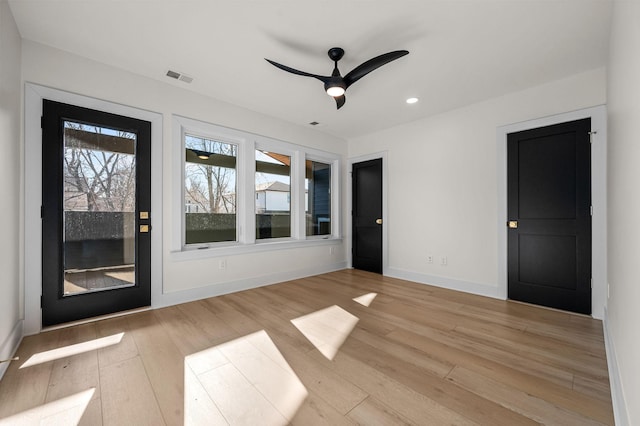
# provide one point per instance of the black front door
(96, 241)
(367, 215)
(549, 211)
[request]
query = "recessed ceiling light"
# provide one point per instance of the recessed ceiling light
(412, 100)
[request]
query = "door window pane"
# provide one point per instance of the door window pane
(318, 198)
(273, 195)
(99, 202)
(210, 190)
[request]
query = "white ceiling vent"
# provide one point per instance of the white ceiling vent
(179, 76)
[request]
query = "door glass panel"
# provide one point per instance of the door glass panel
(99, 207)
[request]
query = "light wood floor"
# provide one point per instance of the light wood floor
(416, 355)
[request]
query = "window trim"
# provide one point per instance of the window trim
(247, 143)
(334, 188)
(262, 146)
(224, 139)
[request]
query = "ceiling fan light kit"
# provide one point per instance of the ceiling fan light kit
(336, 85)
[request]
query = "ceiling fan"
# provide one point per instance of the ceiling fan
(335, 85)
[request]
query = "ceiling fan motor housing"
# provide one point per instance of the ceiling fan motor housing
(336, 53)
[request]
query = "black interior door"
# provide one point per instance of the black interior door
(96, 241)
(367, 215)
(549, 208)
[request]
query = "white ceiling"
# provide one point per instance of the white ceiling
(461, 51)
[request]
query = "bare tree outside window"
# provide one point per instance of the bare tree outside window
(210, 175)
(99, 169)
(209, 190)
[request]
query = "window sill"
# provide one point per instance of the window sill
(240, 249)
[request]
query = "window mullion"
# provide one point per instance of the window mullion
(297, 196)
(247, 217)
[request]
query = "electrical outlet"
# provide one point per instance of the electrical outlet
(443, 260)
(223, 264)
(429, 258)
(332, 250)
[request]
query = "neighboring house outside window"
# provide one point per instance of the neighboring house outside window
(239, 189)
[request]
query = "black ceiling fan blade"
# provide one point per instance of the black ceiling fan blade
(295, 71)
(372, 64)
(340, 100)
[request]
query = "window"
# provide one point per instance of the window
(209, 190)
(317, 198)
(273, 189)
(235, 189)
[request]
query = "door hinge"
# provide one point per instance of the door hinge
(591, 210)
(591, 282)
(595, 132)
(42, 122)
(40, 301)
(41, 212)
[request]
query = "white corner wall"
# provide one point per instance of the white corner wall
(10, 160)
(183, 280)
(443, 182)
(623, 315)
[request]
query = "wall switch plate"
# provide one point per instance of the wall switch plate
(443, 260)
(429, 258)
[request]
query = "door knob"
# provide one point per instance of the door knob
(379, 221)
(513, 224)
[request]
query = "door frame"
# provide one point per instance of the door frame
(32, 180)
(598, 115)
(385, 215)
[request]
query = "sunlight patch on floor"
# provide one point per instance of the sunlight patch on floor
(365, 299)
(244, 381)
(327, 328)
(65, 351)
(64, 411)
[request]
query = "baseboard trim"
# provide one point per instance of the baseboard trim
(445, 282)
(184, 296)
(10, 346)
(620, 414)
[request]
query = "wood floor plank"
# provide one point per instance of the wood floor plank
(596, 388)
(315, 411)
(434, 386)
(186, 335)
(125, 349)
(407, 402)
(76, 373)
(127, 395)
(216, 330)
(535, 408)
(372, 412)
(321, 381)
(25, 388)
(415, 354)
(163, 363)
(488, 352)
(92, 415)
(525, 382)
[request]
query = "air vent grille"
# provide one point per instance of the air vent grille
(179, 76)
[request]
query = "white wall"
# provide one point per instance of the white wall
(188, 279)
(443, 182)
(623, 313)
(10, 245)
